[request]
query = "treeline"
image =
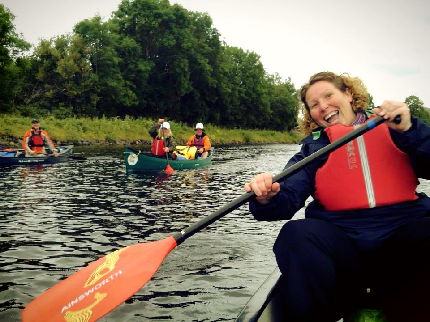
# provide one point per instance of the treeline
(151, 59)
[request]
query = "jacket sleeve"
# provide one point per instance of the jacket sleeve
(190, 141)
(294, 190)
(207, 143)
(416, 143)
(171, 143)
(48, 141)
(25, 141)
(153, 131)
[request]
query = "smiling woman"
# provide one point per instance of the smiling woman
(367, 225)
(329, 99)
(329, 106)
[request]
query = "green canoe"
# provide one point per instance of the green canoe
(267, 305)
(140, 161)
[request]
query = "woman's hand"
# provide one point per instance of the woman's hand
(263, 187)
(160, 121)
(390, 109)
(166, 150)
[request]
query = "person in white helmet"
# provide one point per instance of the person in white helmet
(200, 140)
(164, 141)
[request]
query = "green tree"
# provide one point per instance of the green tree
(63, 83)
(57, 65)
(173, 70)
(284, 104)
(417, 109)
(230, 87)
(244, 89)
(151, 59)
(203, 56)
(161, 31)
(22, 75)
(371, 105)
(101, 42)
(12, 46)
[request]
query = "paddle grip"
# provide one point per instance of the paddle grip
(397, 119)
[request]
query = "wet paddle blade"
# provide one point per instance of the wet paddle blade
(97, 289)
(169, 169)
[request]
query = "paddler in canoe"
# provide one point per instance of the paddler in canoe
(37, 143)
(200, 140)
(366, 223)
(163, 139)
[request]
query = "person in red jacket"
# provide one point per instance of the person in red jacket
(200, 140)
(163, 139)
(36, 142)
(367, 229)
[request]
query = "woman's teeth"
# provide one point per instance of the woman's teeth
(329, 116)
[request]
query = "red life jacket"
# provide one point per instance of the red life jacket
(198, 142)
(368, 172)
(157, 147)
(35, 140)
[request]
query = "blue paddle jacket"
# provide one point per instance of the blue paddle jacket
(368, 228)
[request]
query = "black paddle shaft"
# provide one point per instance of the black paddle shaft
(236, 203)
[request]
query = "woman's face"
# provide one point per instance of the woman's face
(165, 131)
(328, 105)
(199, 132)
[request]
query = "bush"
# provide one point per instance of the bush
(62, 112)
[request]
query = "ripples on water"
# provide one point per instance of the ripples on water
(58, 218)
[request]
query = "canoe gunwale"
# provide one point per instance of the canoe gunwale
(256, 305)
(147, 162)
(267, 305)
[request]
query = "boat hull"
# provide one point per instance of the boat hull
(23, 160)
(268, 305)
(139, 161)
(263, 306)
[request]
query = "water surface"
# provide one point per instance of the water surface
(56, 219)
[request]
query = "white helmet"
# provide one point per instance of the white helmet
(165, 125)
(199, 126)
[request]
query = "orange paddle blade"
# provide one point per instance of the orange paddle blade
(97, 289)
(169, 169)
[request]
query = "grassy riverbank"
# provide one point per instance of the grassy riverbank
(89, 131)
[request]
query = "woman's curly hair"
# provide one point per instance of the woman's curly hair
(344, 83)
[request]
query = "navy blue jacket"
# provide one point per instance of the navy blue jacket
(367, 227)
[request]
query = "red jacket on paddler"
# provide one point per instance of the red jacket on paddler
(157, 147)
(37, 141)
(384, 219)
(377, 172)
(161, 141)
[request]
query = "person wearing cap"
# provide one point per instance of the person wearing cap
(36, 142)
(200, 140)
(164, 141)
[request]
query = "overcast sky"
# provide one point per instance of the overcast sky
(384, 42)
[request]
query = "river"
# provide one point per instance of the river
(58, 218)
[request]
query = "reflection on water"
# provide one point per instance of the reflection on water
(58, 218)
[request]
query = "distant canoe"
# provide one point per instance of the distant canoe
(12, 157)
(140, 161)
